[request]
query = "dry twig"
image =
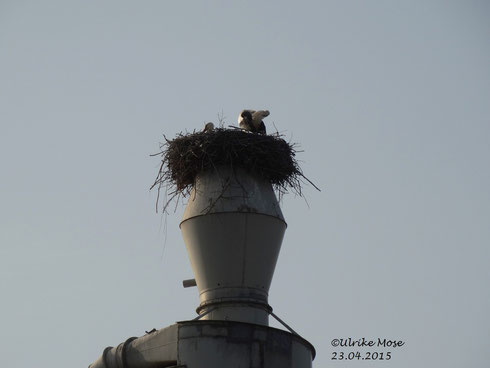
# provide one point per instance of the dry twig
(188, 155)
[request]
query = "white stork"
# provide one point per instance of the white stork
(208, 127)
(251, 120)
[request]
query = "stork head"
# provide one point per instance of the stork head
(246, 114)
(208, 127)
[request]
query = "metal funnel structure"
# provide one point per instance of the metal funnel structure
(233, 229)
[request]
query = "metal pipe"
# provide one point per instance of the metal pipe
(156, 349)
(189, 283)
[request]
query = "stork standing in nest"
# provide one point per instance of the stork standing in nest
(251, 120)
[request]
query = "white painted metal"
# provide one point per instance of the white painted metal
(233, 229)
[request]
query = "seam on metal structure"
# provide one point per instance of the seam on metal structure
(124, 349)
(104, 355)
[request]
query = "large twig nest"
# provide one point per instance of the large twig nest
(188, 155)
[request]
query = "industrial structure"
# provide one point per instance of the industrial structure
(233, 229)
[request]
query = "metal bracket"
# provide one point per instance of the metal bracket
(284, 324)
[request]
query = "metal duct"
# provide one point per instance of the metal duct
(233, 229)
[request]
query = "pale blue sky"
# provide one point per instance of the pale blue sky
(388, 99)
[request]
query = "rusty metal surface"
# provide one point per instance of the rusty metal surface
(204, 344)
(211, 344)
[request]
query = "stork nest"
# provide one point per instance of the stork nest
(188, 155)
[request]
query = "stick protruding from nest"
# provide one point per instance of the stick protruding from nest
(188, 155)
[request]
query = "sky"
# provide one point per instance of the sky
(388, 101)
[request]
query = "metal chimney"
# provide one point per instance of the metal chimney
(233, 229)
